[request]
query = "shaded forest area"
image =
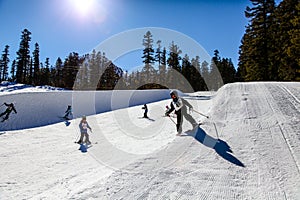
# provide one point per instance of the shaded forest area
(269, 51)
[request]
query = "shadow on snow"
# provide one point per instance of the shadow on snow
(220, 146)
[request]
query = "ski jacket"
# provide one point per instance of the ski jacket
(84, 126)
(177, 104)
(186, 103)
(145, 108)
(69, 110)
(10, 108)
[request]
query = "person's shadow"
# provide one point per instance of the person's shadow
(221, 147)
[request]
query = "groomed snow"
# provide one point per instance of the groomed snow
(248, 149)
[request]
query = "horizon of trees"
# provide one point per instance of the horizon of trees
(162, 67)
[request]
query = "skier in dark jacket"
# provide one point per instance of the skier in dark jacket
(9, 109)
(68, 112)
(179, 105)
(146, 111)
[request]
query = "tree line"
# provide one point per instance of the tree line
(163, 68)
(171, 68)
(28, 69)
(270, 47)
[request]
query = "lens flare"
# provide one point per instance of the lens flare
(83, 6)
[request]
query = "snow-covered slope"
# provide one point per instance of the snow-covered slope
(39, 106)
(248, 149)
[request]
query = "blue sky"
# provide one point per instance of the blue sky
(64, 26)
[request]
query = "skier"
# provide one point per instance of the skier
(9, 109)
(146, 111)
(83, 125)
(68, 112)
(179, 105)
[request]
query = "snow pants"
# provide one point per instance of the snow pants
(87, 138)
(180, 114)
(5, 113)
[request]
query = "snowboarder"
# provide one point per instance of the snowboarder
(179, 105)
(83, 125)
(9, 109)
(146, 111)
(68, 112)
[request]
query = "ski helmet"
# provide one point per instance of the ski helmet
(83, 117)
(174, 92)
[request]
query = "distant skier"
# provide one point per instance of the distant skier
(9, 109)
(179, 105)
(146, 111)
(84, 126)
(68, 112)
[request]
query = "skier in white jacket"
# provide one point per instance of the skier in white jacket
(179, 105)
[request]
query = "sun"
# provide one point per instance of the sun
(87, 10)
(83, 7)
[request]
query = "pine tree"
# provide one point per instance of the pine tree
(30, 72)
(148, 58)
(59, 73)
(174, 57)
(13, 71)
(97, 64)
(83, 76)
(205, 70)
(4, 64)
(186, 67)
(163, 67)
(286, 40)
(70, 69)
(196, 78)
(174, 70)
(110, 77)
(256, 43)
(23, 57)
(158, 53)
(46, 72)
(215, 80)
(36, 65)
(228, 71)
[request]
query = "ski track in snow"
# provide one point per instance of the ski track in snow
(248, 149)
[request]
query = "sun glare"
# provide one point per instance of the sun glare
(83, 6)
(87, 10)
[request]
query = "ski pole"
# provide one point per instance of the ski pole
(201, 114)
(2, 105)
(172, 120)
(216, 130)
(77, 136)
